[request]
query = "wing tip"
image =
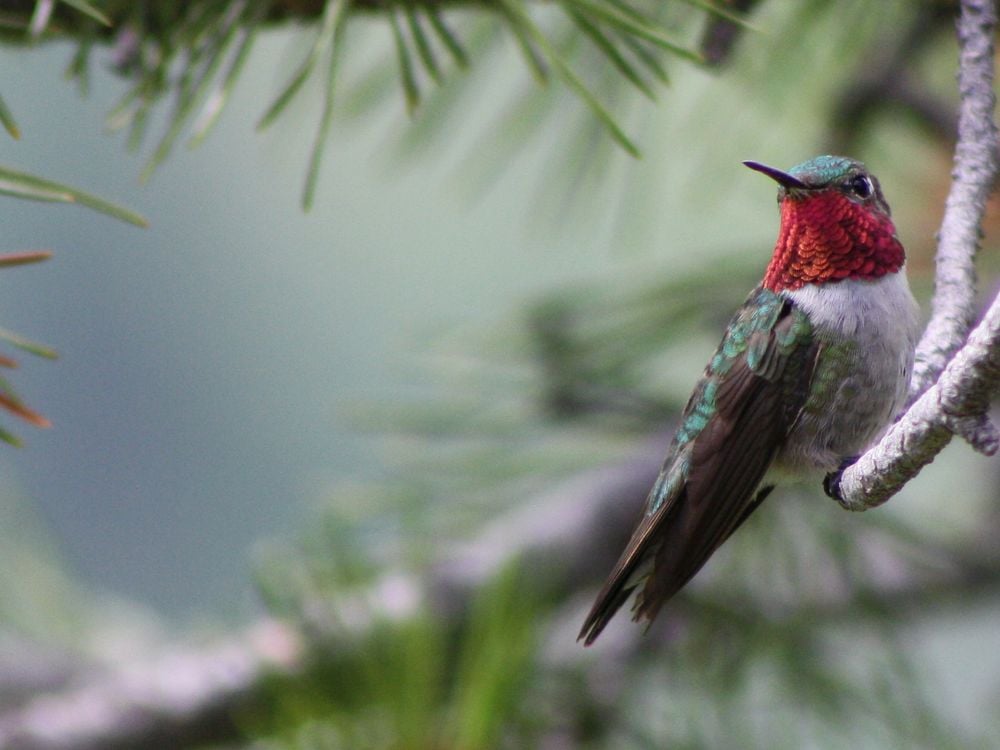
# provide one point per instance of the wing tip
(607, 605)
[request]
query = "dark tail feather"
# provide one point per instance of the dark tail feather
(608, 602)
(629, 571)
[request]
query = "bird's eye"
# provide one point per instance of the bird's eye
(861, 186)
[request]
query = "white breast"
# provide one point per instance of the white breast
(879, 320)
(883, 308)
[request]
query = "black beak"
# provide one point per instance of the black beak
(782, 178)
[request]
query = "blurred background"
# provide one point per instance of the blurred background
(257, 407)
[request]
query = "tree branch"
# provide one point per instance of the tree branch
(958, 402)
(183, 697)
(973, 177)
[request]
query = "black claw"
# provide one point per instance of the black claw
(831, 485)
(831, 482)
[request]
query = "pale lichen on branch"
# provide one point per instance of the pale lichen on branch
(972, 181)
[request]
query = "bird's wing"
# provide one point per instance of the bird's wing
(731, 430)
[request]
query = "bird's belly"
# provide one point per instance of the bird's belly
(861, 376)
(845, 420)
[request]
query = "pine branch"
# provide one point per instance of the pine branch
(183, 697)
(184, 52)
(973, 177)
(957, 403)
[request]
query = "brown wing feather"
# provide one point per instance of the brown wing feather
(727, 461)
(727, 465)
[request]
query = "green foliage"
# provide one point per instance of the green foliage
(42, 9)
(193, 53)
(7, 120)
(331, 34)
(417, 55)
(9, 399)
(396, 679)
(496, 663)
(41, 600)
(23, 185)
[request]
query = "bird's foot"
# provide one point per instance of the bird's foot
(831, 482)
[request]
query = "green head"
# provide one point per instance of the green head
(822, 171)
(847, 176)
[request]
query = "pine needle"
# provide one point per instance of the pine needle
(338, 15)
(516, 9)
(411, 90)
(636, 24)
(521, 26)
(447, 37)
(331, 12)
(24, 258)
(606, 46)
(32, 347)
(88, 10)
(7, 120)
(23, 185)
(217, 99)
(196, 82)
(423, 44)
(723, 12)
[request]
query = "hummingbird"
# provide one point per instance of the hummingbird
(811, 370)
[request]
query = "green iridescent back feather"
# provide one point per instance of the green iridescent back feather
(748, 337)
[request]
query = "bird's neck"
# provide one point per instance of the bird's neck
(825, 237)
